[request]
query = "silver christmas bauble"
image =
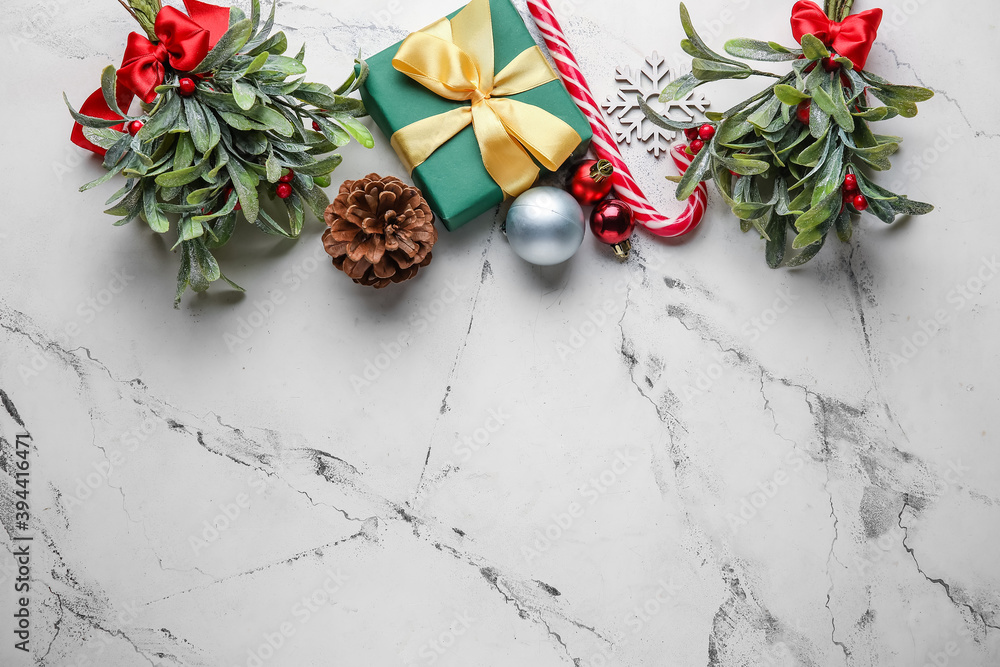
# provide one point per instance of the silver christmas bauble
(545, 226)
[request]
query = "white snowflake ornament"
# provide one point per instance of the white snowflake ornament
(648, 81)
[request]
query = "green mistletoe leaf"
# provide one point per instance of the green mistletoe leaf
(155, 218)
(813, 48)
(695, 46)
(227, 46)
(244, 94)
(711, 70)
(88, 121)
(694, 174)
(789, 95)
(658, 119)
(680, 87)
(752, 49)
(109, 88)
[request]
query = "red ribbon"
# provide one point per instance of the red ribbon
(183, 41)
(853, 38)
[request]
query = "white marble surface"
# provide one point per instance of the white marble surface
(731, 468)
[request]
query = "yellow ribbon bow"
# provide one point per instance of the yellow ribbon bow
(454, 59)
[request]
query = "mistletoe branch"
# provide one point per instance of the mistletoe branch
(838, 10)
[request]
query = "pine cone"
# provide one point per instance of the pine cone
(381, 231)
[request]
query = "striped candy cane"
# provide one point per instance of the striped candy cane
(604, 143)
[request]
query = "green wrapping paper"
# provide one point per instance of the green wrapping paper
(454, 180)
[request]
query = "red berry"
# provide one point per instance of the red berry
(860, 203)
(316, 126)
(697, 145)
(802, 113)
(830, 65)
(229, 192)
(287, 178)
(849, 195)
(186, 87)
(691, 133)
(134, 127)
(706, 132)
(851, 183)
(284, 190)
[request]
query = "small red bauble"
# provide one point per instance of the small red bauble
(802, 113)
(860, 203)
(592, 181)
(186, 86)
(691, 133)
(613, 222)
(851, 183)
(287, 178)
(706, 132)
(697, 145)
(284, 190)
(134, 127)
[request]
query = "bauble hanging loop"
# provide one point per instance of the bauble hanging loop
(613, 222)
(592, 181)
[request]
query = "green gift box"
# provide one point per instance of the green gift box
(454, 178)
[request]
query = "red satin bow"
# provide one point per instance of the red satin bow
(853, 38)
(183, 41)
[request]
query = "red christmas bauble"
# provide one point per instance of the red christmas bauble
(612, 222)
(860, 203)
(287, 178)
(706, 132)
(186, 86)
(592, 182)
(284, 190)
(134, 127)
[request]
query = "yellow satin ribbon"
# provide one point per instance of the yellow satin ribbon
(454, 59)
